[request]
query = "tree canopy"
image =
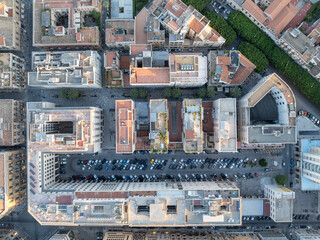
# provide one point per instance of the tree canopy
(281, 179)
(263, 162)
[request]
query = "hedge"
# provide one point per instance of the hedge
(254, 55)
(299, 76)
(221, 26)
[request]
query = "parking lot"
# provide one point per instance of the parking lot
(221, 8)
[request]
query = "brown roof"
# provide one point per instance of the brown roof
(64, 199)
(173, 25)
(2, 5)
(255, 11)
(125, 62)
(140, 23)
(244, 70)
(175, 135)
(87, 35)
(224, 60)
(283, 18)
(276, 7)
(2, 180)
(2, 42)
(110, 56)
(189, 133)
(150, 76)
(7, 122)
(196, 26)
(88, 195)
(179, 5)
(139, 48)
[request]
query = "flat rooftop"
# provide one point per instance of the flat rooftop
(125, 121)
(6, 122)
(192, 125)
(9, 24)
(64, 68)
(6, 73)
(3, 181)
(121, 9)
(119, 30)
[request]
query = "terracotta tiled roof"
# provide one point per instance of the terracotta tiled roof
(2, 5)
(196, 26)
(180, 7)
(189, 134)
(138, 48)
(88, 195)
(276, 7)
(173, 25)
(244, 70)
(109, 57)
(150, 76)
(2, 40)
(254, 10)
(224, 60)
(125, 62)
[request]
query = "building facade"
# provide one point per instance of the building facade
(304, 234)
(13, 117)
(13, 185)
(65, 69)
(12, 73)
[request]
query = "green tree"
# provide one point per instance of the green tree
(251, 163)
(167, 93)
(176, 93)
(281, 179)
(64, 93)
(74, 94)
(210, 92)
(68, 93)
(106, 4)
(235, 92)
(143, 93)
(263, 162)
(134, 93)
(201, 92)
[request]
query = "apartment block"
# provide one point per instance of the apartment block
(13, 180)
(12, 119)
(281, 202)
(66, 23)
(10, 24)
(192, 136)
(65, 69)
(64, 235)
(271, 235)
(228, 68)
(118, 236)
(161, 68)
(225, 124)
(114, 73)
(303, 48)
(12, 233)
(12, 73)
(119, 33)
(178, 19)
(267, 113)
(159, 126)
(305, 234)
(125, 129)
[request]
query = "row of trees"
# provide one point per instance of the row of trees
(69, 93)
(139, 93)
(299, 76)
(220, 25)
(254, 55)
(197, 4)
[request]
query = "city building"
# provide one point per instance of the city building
(125, 129)
(192, 112)
(225, 124)
(266, 114)
(64, 235)
(65, 69)
(305, 234)
(66, 23)
(12, 74)
(118, 236)
(188, 69)
(12, 180)
(119, 33)
(303, 48)
(184, 24)
(10, 24)
(114, 73)
(228, 68)
(11, 232)
(308, 163)
(281, 202)
(12, 122)
(271, 235)
(161, 68)
(158, 135)
(121, 9)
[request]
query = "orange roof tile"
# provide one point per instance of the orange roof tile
(110, 56)
(140, 23)
(173, 25)
(138, 48)
(224, 60)
(88, 195)
(196, 26)
(180, 7)
(276, 7)
(255, 11)
(189, 133)
(246, 67)
(2, 5)
(150, 76)
(2, 41)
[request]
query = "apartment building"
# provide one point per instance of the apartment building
(281, 202)
(125, 129)
(192, 136)
(228, 68)
(119, 33)
(303, 48)
(161, 68)
(64, 235)
(13, 180)
(271, 235)
(118, 236)
(156, 34)
(65, 69)
(178, 19)
(225, 124)
(114, 72)
(159, 133)
(66, 23)
(305, 234)
(9, 232)
(10, 24)
(12, 119)
(267, 113)
(12, 73)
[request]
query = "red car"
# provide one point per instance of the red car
(291, 171)
(85, 162)
(93, 20)
(256, 174)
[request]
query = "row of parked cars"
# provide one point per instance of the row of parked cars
(313, 118)
(252, 218)
(301, 217)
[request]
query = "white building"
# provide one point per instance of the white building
(304, 234)
(281, 202)
(65, 69)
